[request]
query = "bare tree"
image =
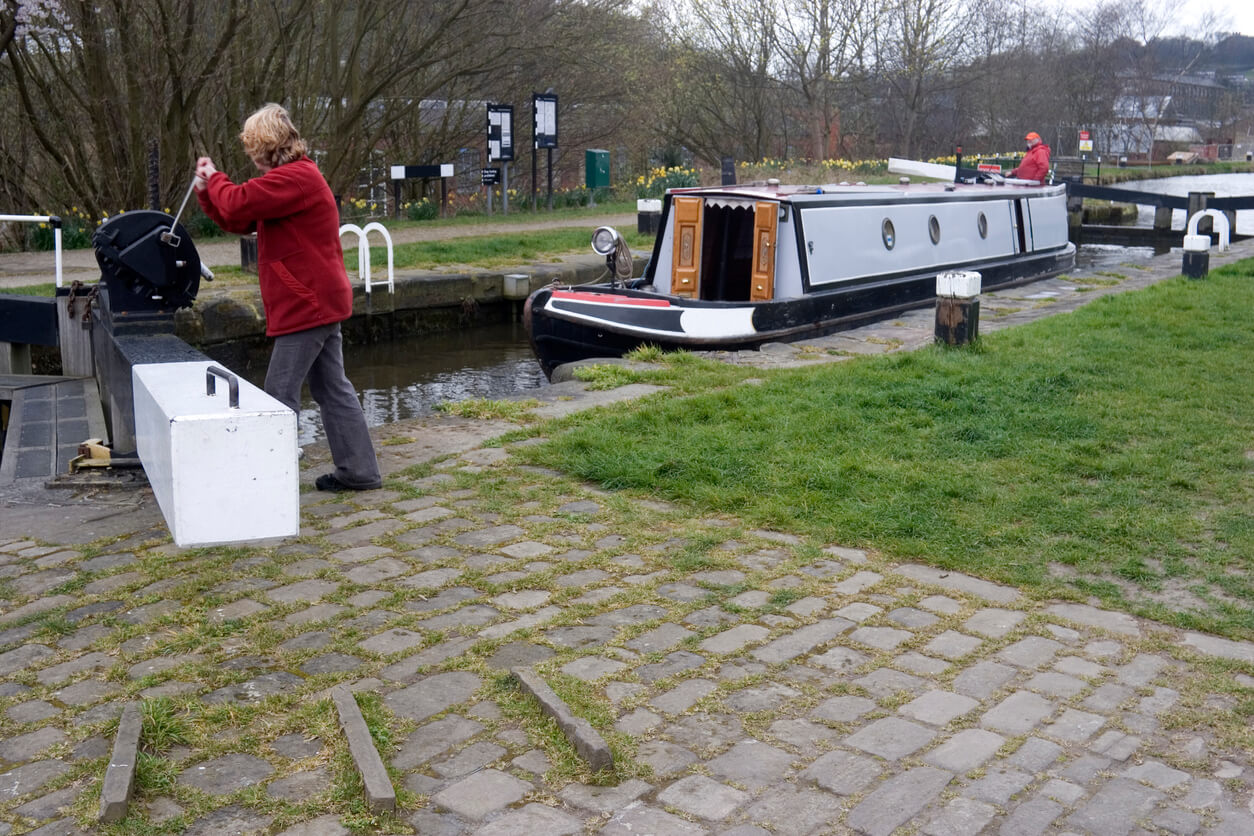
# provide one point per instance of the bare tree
(918, 47)
(725, 96)
(822, 45)
(94, 84)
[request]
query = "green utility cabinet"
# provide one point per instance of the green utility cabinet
(597, 168)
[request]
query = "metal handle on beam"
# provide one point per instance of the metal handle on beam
(232, 383)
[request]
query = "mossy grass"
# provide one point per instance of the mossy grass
(486, 408)
(1102, 453)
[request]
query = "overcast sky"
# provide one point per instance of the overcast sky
(1239, 14)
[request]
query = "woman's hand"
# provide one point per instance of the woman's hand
(204, 170)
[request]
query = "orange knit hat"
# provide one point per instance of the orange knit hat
(1032, 135)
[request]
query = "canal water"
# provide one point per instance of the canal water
(1223, 185)
(409, 378)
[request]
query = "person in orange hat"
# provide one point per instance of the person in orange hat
(1035, 165)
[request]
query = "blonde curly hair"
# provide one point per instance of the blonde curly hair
(270, 138)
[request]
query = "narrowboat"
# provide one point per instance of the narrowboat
(735, 267)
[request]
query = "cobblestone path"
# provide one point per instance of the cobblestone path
(749, 682)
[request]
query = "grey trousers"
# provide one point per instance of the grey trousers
(317, 355)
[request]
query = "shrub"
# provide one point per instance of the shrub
(75, 235)
(658, 180)
(422, 210)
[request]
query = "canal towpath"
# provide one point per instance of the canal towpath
(881, 696)
(23, 269)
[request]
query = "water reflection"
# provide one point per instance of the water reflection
(408, 378)
(1091, 259)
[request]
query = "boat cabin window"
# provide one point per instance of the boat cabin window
(726, 253)
(889, 234)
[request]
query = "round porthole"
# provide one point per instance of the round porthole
(981, 223)
(933, 229)
(889, 234)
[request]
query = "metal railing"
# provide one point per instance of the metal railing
(54, 221)
(363, 251)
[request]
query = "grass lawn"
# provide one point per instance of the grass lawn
(1105, 454)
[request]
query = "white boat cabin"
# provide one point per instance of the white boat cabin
(758, 243)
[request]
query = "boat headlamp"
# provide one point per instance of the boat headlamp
(604, 240)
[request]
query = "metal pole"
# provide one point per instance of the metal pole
(154, 175)
(505, 189)
(550, 155)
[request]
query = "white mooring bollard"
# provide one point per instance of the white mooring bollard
(1196, 261)
(958, 307)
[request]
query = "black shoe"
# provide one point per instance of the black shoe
(328, 482)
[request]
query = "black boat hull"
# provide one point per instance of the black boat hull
(578, 325)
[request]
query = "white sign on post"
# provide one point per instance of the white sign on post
(500, 132)
(545, 120)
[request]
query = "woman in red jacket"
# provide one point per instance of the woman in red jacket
(1035, 164)
(304, 288)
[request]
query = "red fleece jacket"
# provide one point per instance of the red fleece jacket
(1035, 165)
(300, 263)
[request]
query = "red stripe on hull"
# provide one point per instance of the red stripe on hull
(610, 299)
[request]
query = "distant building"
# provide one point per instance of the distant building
(1165, 113)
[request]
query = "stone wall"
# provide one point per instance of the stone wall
(422, 303)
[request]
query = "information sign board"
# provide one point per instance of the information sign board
(500, 132)
(545, 114)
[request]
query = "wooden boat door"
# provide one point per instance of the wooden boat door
(686, 259)
(762, 275)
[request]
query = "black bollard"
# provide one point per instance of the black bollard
(648, 216)
(1196, 256)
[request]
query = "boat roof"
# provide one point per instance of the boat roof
(883, 191)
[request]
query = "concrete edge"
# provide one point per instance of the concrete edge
(587, 742)
(380, 794)
(119, 777)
